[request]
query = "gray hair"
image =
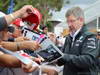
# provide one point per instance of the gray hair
(75, 11)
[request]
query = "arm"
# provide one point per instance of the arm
(88, 55)
(7, 60)
(18, 39)
(15, 46)
(21, 13)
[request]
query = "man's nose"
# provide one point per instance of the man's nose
(69, 24)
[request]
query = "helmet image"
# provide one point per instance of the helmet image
(34, 18)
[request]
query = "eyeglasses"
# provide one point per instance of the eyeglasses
(71, 21)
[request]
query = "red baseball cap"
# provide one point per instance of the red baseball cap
(34, 18)
(18, 22)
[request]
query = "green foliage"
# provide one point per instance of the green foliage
(4, 5)
(50, 26)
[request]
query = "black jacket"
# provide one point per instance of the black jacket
(79, 59)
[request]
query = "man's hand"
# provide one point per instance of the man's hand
(21, 13)
(28, 67)
(32, 45)
(38, 59)
(25, 11)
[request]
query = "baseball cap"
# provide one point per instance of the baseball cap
(2, 14)
(18, 22)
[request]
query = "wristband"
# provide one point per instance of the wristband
(12, 16)
(18, 44)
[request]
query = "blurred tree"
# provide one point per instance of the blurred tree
(4, 5)
(44, 6)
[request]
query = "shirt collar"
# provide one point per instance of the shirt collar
(74, 34)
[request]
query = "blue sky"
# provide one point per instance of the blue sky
(81, 1)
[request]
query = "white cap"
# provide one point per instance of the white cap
(2, 14)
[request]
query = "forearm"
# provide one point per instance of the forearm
(10, 18)
(21, 13)
(15, 46)
(82, 61)
(9, 61)
(9, 45)
(6, 20)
